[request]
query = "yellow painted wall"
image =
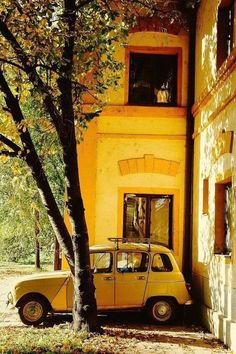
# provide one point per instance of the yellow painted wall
(215, 111)
(123, 132)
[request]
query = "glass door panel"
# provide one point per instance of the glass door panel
(160, 220)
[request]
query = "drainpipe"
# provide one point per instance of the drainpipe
(188, 224)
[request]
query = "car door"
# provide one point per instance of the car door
(103, 271)
(131, 278)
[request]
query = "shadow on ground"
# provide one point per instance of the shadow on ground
(135, 326)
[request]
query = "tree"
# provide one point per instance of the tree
(56, 54)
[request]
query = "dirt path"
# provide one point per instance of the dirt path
(125, 328)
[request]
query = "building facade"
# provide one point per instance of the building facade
(134, 161)
(214, 187)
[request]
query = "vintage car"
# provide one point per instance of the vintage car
(127, 276)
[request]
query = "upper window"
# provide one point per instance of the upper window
(225, 30)
(153, 79)
(148, 216)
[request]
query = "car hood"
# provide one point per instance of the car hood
(44, 276)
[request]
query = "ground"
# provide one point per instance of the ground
(123, 333)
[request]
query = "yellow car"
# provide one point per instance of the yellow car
(127, 276)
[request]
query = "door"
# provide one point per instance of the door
(131, 278)
(102, 267)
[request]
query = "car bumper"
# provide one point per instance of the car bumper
(189, 302)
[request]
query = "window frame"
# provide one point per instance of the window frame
(155, 50)
(111, 262)
(162, 271)
(220, 244)
(205, 196)
(149, 197)
(223, 50)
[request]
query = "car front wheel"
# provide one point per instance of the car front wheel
(33, 311)
(161, 310)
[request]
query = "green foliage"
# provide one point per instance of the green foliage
(18, 202)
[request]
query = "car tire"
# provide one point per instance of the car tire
(161, 310)
(33, 310)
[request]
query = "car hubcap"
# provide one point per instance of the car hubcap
(33, 311)
(162, 311)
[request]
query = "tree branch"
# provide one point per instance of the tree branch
(9, 153)
(10, 144)
(5, 61)
(34, 77)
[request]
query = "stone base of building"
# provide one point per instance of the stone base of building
(222, 327)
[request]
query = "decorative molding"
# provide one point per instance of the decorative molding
(155, 24)
(223, 144)
(148, 164)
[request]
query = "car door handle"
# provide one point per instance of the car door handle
(141, 277)
(108, 278)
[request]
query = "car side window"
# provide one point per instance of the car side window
(161, 263)
(129, 262)
(101, 262)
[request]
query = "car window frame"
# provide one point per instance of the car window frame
(111, 261)
(161, 271)
(131, 251)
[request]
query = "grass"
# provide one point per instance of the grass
(61, 339)
(58, 339)
(12, 269)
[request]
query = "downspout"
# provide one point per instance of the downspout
(188, 224)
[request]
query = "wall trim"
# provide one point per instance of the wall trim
(142, 111)
(148, 164)
(223, 73)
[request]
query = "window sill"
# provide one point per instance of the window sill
(223, 255)
(154, 111)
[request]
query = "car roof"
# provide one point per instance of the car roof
(130, 246)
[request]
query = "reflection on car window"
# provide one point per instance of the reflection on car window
(101, 262)
(128, 262)
(161, 263)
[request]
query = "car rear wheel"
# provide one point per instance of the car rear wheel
(33, 311)
(161, 310)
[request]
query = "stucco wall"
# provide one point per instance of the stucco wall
(215, 111)
(123, 132)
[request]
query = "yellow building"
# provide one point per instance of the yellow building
(132, 160)
(214, 232)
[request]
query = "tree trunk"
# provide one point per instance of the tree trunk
(57, 258)
(85, 306)
(37, 254)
